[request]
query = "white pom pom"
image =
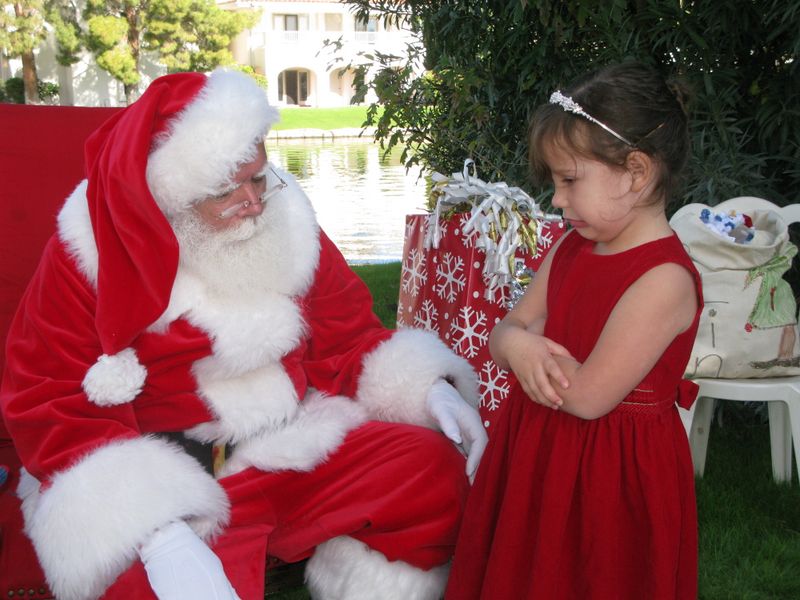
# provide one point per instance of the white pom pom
(115, 379)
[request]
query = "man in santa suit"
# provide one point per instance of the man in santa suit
(189, 305)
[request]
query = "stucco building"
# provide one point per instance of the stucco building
(287, 46)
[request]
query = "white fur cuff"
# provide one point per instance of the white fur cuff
(345, 569)
(87, 525)
(399, 373)
(115, 379)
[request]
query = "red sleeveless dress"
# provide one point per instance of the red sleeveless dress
(567, 508)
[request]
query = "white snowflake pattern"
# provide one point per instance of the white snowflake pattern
(411, 226)
(427, 317)
(493, 385)
(450, 278)
(468, 239)
(440, 224)
(414, 274)
(472, 335)
(498, 295)
(401, 321)
(545, 239)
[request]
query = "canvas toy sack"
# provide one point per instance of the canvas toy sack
(748, 327)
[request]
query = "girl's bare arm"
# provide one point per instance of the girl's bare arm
(516, 342)
(660, 305)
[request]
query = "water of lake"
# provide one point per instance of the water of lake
(361, 198)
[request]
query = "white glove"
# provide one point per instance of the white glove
(459, 422)
(180, 565)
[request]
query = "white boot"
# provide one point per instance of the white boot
(345, 569)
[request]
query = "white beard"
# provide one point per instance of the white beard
(230, 262)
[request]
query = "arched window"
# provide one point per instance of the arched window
(293, 86)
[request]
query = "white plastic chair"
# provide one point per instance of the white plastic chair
(781, 393)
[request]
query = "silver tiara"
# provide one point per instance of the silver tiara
(569, 105)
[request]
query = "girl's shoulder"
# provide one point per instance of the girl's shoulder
(647, 254)
(670, 249)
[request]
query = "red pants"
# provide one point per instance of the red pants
(400, 489)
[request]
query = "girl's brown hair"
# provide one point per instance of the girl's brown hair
(636, 102)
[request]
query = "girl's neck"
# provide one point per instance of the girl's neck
(648, 223)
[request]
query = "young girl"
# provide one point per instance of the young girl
(586, 490)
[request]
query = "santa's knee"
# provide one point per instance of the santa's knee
(433, 472)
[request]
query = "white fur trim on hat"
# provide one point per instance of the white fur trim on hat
(76, 233)
(209, 140)
(86, 527)
(346, 568)
(398, 374)
(115, 379)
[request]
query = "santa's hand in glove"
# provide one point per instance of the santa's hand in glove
(459, 422)
(180, 565)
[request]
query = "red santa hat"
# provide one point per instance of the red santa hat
(180, 143)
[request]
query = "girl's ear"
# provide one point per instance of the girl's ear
(641, 168)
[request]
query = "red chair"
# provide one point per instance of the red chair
(41, 162)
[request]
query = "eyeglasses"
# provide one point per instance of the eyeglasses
(277, 189)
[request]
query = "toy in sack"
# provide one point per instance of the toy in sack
(467, 262)
(749, 324)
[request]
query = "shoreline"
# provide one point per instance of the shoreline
(367, 133)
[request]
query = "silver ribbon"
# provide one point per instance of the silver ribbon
(505, 218)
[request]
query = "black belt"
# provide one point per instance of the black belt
(201, 452)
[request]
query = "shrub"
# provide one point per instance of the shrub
(247, 69)
(489, 64)
(15, 90)
(48, 91)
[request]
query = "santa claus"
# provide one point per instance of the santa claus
(195, 379)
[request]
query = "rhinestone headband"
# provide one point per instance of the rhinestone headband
(569, 105)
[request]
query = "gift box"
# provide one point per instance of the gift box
(463, 269)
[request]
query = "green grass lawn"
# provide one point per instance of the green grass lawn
(321, 118)
(749, 525)
(383, 280)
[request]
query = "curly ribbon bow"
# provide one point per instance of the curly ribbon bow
(505, 218)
